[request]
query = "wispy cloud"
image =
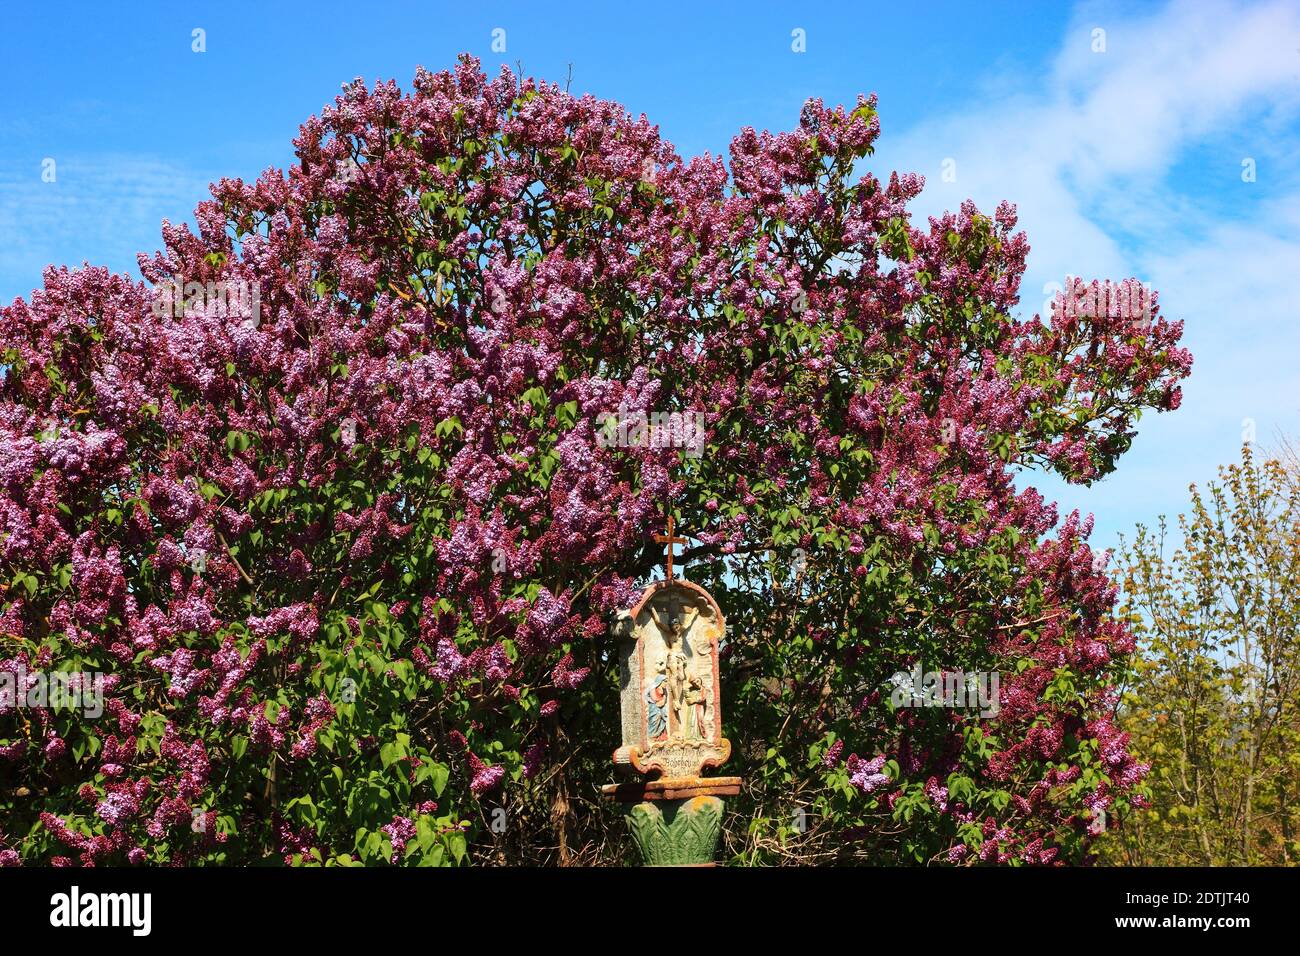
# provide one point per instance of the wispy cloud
(1129, 162)
(102, 209)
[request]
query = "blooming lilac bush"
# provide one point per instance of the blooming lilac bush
(349, 563)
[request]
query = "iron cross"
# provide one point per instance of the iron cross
(669, 540)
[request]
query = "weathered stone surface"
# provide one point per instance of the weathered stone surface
(672, 788)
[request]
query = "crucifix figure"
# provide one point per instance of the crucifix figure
(669, 540)
(675, 619)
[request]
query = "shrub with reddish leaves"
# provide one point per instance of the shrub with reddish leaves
(347, 558)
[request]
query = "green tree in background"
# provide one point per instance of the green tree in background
(1216, 686)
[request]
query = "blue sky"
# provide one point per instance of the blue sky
(1123, 161)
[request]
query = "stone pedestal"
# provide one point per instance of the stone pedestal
(675, 822)
(676, 832)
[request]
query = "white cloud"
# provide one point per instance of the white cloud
(1128, 163)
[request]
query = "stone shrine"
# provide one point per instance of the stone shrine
(672, 719)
